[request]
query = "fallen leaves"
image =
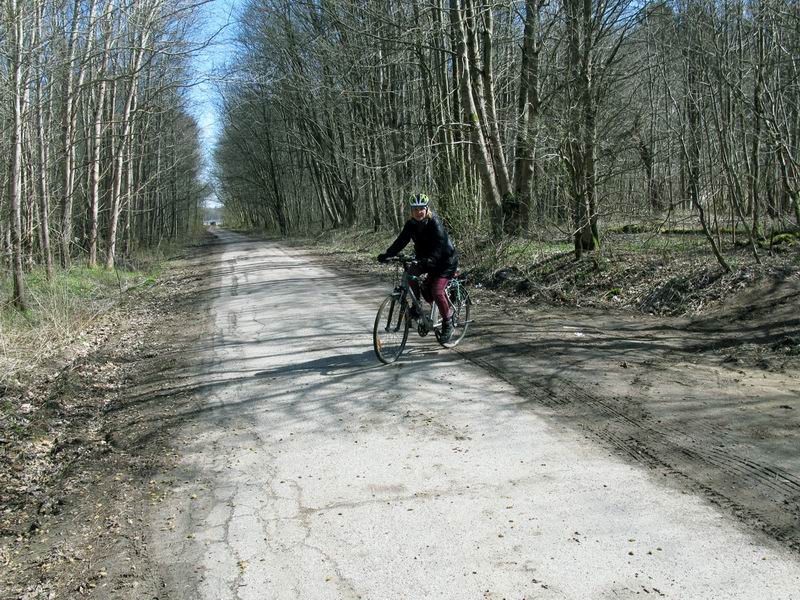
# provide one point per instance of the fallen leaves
(69, 489)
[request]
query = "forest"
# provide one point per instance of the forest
(516, 117)
(101, 155)
(563, 119)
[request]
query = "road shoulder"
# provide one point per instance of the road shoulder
(78, 525)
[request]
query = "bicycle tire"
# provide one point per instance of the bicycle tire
(461, 320)
(390, 332)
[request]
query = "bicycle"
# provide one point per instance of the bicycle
(393, 321)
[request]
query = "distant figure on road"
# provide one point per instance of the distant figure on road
(435, 254)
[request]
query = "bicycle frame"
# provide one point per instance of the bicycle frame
(404, 290)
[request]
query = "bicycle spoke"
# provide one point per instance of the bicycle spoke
(391, 330)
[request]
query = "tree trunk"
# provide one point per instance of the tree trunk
(15, 18)
(486, 99)
(43, 166)
(125, 139)
(97, 141)
(518, 209)
(74, 83)
(583, 128)
(480, 148)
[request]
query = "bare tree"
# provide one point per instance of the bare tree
(15, 17)
(515, 113)
(80, 127)
(75, 75)
(95, 165)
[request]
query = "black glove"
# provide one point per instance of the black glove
(382, 257)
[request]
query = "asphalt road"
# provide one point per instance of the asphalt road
(312, 471)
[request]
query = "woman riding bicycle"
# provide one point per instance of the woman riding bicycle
(435, 255)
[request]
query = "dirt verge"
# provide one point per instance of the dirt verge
(75, 490)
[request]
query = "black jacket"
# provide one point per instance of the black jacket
(432, 245)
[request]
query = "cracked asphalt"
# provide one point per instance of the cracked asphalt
(312, 471)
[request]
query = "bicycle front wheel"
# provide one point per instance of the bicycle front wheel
(390, 333)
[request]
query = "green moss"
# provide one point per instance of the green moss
(630, 228)
(785, 238)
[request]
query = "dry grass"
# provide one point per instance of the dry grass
(58, 312)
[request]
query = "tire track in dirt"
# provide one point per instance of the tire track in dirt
(702, 464)
(777, 479)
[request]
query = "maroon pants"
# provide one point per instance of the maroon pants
(432, 289)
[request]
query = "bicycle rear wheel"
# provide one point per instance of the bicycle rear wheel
(390, 333)
(460, 303)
